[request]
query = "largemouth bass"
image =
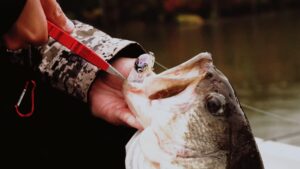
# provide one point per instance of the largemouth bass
(191, 116)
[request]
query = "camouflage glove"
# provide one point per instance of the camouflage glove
(74, 75)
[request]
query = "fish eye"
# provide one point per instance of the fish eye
(215, 104)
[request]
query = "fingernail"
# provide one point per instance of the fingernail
(69, 26)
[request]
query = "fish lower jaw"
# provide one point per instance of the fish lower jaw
(156, 151)
(144, 152)
(173, 150)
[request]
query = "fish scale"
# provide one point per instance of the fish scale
(200, 126)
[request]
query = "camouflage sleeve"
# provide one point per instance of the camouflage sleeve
(67, 71)
(72, 74)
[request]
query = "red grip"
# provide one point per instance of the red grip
(76, 47)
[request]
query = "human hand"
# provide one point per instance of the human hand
(31, 26)
(106, 97)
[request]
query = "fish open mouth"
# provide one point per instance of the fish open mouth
(146, 88)
(173, 81)
(172, 91)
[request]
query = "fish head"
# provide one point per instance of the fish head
(193, 113)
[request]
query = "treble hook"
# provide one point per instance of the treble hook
(22, 96)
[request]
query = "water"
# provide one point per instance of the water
(260, 55)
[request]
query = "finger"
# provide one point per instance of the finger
(130, 120)
(55, 14)
(123, 65)
(30, 27)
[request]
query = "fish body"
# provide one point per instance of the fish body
(191, 116)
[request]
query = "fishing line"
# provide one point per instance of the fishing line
(281, 118)
(274, 115)
(285, 136)
(266, 113)
(255, 109)
(162, 66)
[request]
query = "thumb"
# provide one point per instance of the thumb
(55, 14)
(129, 120)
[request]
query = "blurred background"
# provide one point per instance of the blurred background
(254, 42)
